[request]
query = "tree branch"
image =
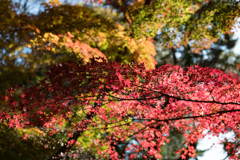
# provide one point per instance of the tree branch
(175, 97)
(194, 117)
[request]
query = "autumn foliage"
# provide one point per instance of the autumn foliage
(62, 102)
(114, 103)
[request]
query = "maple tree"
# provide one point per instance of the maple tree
(124, 101)
(63, 32)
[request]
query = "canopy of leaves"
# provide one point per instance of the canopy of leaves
(31, 43)
(124, 101)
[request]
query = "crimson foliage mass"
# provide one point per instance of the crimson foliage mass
(126, 101)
